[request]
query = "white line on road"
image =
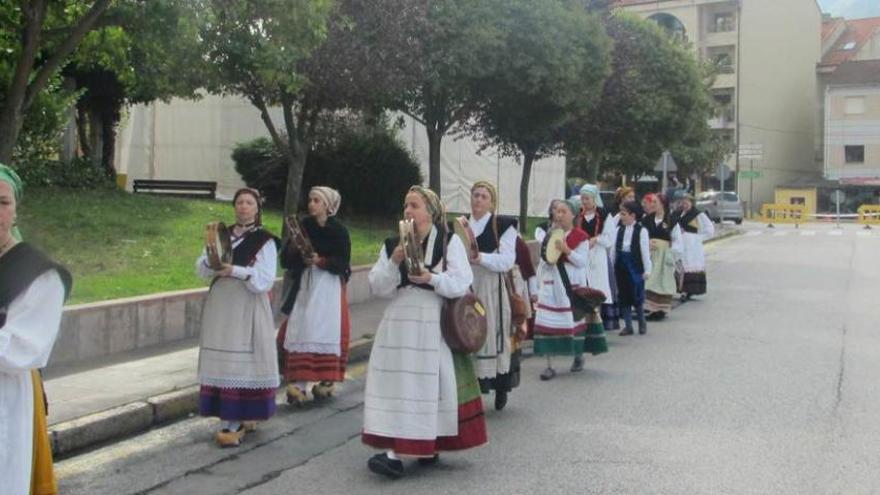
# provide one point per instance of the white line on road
(835, 232)
(808, 232)
(864, 233)
(781, 233)
(753, 233)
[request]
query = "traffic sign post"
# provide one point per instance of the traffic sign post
(838, 197)
(751, 152)
(722, 172)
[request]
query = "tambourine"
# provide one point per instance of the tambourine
(463, 231)
(218, 245)
(549, 250)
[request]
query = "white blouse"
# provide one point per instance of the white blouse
(505, 258)
(258, 278)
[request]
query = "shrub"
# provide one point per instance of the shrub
(372, 171)
(80, 173)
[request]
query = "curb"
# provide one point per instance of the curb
(74, 436)
(728, 234)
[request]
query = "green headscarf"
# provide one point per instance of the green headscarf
(9, 176)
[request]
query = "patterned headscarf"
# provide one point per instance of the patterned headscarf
(432, 201)
(593, 190)
(574, 204)
(330, 197)
(9, 176)
(258, 220)
(493, 193)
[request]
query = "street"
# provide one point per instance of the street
(769, 384)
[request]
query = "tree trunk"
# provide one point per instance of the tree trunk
(108, 156)
(528, 160)
(11, 121)
(296, 164)
(434, 140)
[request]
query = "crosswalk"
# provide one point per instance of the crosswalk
(849, 233)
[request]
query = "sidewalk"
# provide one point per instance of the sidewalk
(91, 406)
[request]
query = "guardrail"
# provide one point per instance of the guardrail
(782, 213)
(869, 215)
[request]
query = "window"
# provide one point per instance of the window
(854, 154)
(797, 200)
(850, 45)
(731, 197)
(855, 105)
(723, 22)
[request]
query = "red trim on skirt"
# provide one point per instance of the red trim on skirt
(313, 367)
(471, 433)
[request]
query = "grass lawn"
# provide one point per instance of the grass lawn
(120, 245)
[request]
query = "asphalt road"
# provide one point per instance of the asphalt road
(769, 384)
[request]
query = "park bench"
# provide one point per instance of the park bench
(180, 188)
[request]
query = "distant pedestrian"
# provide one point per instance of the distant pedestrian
(316, 336)
(632, 266)
(421, 398)
(32, 292)
(696, 228)
(238, 360)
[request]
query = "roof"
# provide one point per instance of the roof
(856, 72)
(858, 32)
(829, 26)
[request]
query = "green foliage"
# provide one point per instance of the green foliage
(358, 163)
(78, 174)
(655, 99)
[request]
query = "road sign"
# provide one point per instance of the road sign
(838, 196)
(722, 171)
(749, 174)
(751, 151)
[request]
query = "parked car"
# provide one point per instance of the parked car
(714, 203)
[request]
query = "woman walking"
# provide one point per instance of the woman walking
(666, 246)
(421, 398)
(316, 336)
(696, 228)
(238, 361)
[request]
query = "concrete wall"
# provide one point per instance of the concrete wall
(95, 330)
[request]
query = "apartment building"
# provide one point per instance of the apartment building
(766, 90)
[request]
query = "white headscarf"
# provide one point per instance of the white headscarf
(330, 197)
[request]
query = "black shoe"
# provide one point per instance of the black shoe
(382, 464)
(643, 328)
(548, 374)
(626, 331)
(500, 400)
(429, 461)
(577, 365)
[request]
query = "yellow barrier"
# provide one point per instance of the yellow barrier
(782, 213)
(869, 215)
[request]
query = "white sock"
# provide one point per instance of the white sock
(391, 455)
(549, 362)
(231, 425)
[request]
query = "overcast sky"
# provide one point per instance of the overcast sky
(851, 9)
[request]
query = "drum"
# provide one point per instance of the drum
(218, 245)
(463, 231)
(549, 251)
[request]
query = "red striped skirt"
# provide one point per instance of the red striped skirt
(312, 367)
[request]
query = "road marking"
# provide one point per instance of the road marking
(864, 233)
(808, 232)
(835, 232)
(753, 233)
(781, 233)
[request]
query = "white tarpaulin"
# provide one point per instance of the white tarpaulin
(193, 140)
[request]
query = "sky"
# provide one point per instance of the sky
(851, 9)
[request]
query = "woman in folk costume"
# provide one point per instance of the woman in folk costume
(696, 228)
(316, 335)
(556, 331)
(32, 292)
(238, 359)
(665, 245)
(592, 220)
(421, 398)
(611, 312)
(632, 266)
(544, 227)
(497, 366)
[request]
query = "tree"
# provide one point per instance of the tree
(48, 33)
(146, 50)
(551, 68)
(311, 58)
(459, 41)
(654, 98)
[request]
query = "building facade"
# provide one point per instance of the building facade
(766, 52)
